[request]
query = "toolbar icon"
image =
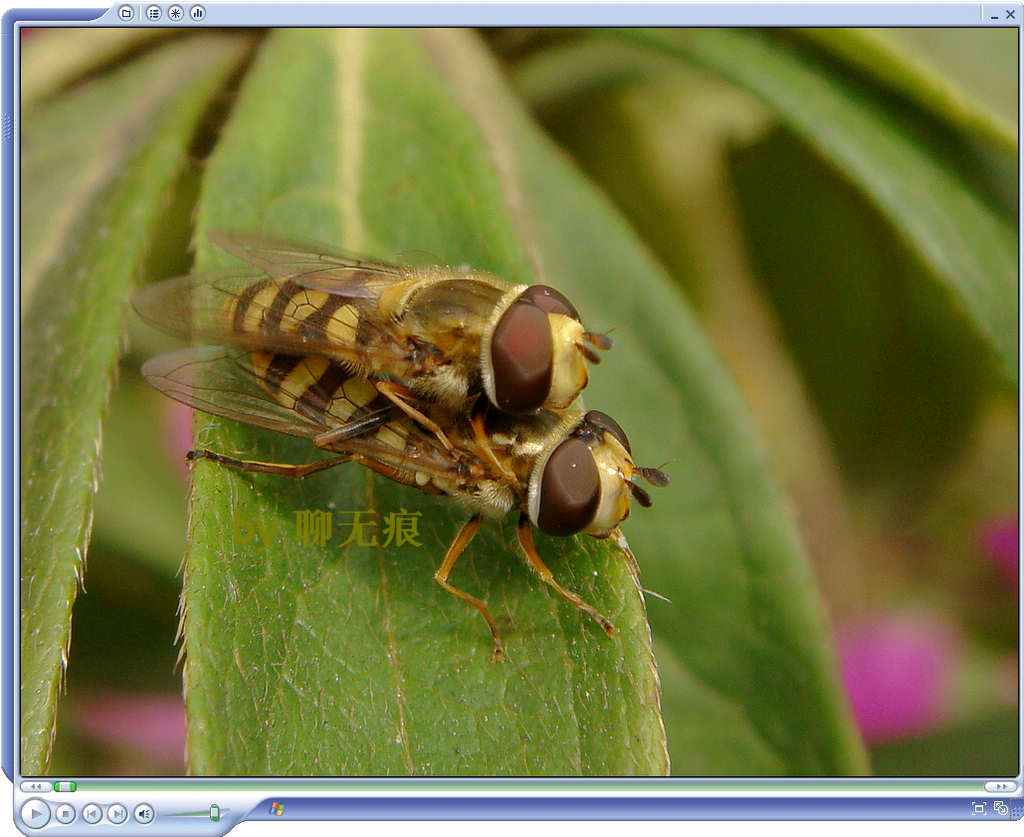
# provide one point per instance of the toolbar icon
(35, 813)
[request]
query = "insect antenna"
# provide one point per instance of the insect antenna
(598, 341)
(655, 476)
(641, 496)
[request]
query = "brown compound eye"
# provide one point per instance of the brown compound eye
(549, 300)
(570, 489)
(608, 425)
(522, 355)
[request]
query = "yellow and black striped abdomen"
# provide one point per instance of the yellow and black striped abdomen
(324, 392)
(280, 307)
(316, 388)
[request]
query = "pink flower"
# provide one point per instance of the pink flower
(152, 725)
(1000, 541)
(177, 422)
(897, 671)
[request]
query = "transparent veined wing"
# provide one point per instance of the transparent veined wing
(232, 383)
(312, 265)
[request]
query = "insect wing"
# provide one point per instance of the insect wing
(224, 382)
(312, 265)
(193, 306)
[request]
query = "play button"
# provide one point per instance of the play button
(35, 813)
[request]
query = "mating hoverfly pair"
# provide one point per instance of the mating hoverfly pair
(448, 380)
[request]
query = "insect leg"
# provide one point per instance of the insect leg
(526, 541)
(405, 477)
(351, 430)
(295, 471)
(466, 533)
(397, 394)
(477, 423)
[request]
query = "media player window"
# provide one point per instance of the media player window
(596, 393)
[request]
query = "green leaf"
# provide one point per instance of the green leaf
(711, 732)
(969, 248)
(549, 77)
(659, 149)
(967, 77)
(127, 135)
(719, 542)
(895, 425)
(985, 746)
(139, 419)
(53, 59)
(350, 660)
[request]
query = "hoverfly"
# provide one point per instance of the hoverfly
(566, 473)
(438, 333)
